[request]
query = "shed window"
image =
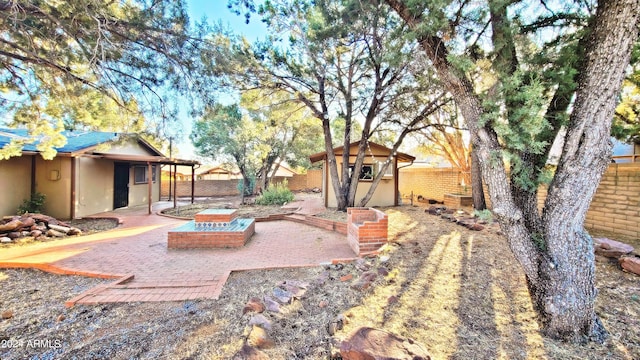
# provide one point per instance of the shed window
(140, 174)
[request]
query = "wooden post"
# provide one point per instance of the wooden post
(150, 183)
(175, 186)
(193, 183)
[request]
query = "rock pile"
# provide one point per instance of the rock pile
(461, 218)
(36, 226)
(612, 249)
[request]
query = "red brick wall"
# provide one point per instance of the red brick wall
(367, 229)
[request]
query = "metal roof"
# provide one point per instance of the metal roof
(76, 140)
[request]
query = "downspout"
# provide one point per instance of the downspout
(396, 180)
(33, 174)
(150, 185)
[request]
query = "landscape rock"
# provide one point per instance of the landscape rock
(367, 343)
(14, 235)
(11, 225)
(250, 353)
(8, 314)
(271, 304)
(260, 320)
(5, 240)
(295, 291)
(346, 277)
(259, 338)
(254, 304)
(35, 233)
(630, 264)
(61, 317)
(611, 248)
(297, 283)
(283, 296)
(323, 304)
(62, 229)
(27, 221)
(365, 280)
(55, 233)
(383, 271)
(74, 231)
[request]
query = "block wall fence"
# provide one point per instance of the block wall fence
(312, 179)
(614, 211)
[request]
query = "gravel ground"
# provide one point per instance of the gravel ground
(458, 292)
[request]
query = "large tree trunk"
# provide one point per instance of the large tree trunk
(555, 252)
(569, 262)
(477, 188)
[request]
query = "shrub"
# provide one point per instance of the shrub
(277, 194)
(485, 215)
(33, 205)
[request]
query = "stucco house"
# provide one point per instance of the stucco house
(386, 194)
(92, 173)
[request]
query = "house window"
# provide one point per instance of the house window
(367, 173)
(140, 174)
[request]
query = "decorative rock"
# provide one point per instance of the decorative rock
(335, 325)
(55, 233)
(362, 265)
(383, 271)
(297, 283)
(259, 338)
(294, 290)
(8, 314)
(254, 304)
(249, 353)
(365, 280)
(14, 235)
(611, 248)
(271, 304)
(346, 277)
(372, 344)
(62, 229)
(260, 320)
(35, 233)
(283, 296)
(475, 227)
(5, 240)
(630, 264)
(27, 221)
(392, 299)
(74, 231)
(384, 258)
(323, 304)
(61, 318)
(449, 217)
(11, 225)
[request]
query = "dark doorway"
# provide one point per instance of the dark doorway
(120, 185)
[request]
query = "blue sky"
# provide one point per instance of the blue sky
(215, 11)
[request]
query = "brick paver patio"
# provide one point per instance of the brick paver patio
(136, 255)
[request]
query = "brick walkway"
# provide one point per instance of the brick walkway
(136, 254)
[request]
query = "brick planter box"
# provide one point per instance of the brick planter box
(367, 229)
(457, 201)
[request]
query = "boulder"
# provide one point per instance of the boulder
(11, 225)
(260, 320)
(35, 233)
(611, 248)
(55, 233)
(366, 343)
(14, 235)
(27, 221)
(259, 338)
(62, 229)
(253, 305)
(630, 264)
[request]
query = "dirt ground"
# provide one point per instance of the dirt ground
(459, 293)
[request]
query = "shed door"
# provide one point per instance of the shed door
(120, 185)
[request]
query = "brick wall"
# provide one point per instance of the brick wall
(367, 229)
(615, 208)
(431, 183)
(312, 179)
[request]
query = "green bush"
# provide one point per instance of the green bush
(277, 194)
(33, 205)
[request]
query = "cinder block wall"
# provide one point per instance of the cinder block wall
(431, 183)
(615, 208)
(203, 188)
